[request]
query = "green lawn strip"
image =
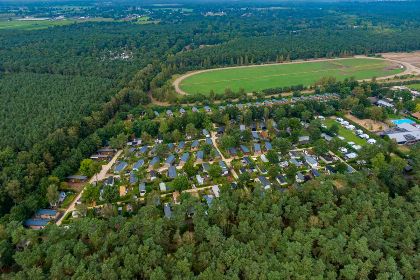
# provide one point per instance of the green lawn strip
(349, 135)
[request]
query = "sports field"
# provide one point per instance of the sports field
(254, 78)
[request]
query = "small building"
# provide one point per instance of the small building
(133, 178)
(200, 156)
(184, 158)
(206, 167)
(143, 149)
(172, 172)
(281, 180)
(106, 151)
(257, 149)
(207, 109)
(153, 175)
(242, 127)
(142, 189)
(154, 162)
(303, 140)
(264, 159)
(371, 141)
(311, 161)
(209, 199)
(200, 179)
(216, 190)
(194, 109)
(326, 137)
(315, 172)
(77, 178)
(195, 145)
(46, 214)
(255, 136)
(36, 223)
(170, 160)
(167, 210)
(244, 149)
(120, 167)
(182, 111)
(350, 156)
(232, 151)
(385, 104)
(299, 177)
(209, 141)
(139, 164)
(220, 130)
(109, 181)
(330, 169)
(169, 113)
(296, 162)
(268, 146)
(206, 133)
(162, 187)
(181, 146)
(225, 169)
(264, 182)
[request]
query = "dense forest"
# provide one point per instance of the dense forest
(341, 228)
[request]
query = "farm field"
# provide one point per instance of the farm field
(42, 24)
(254, 78)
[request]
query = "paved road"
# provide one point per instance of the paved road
(97, 177)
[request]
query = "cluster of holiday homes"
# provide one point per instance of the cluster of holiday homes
(208, 199)
(268, 102)
(41, 218)
(178, 155)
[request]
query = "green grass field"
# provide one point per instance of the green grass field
(256, 78)
(414, 86)
(347, 134)
(42, 24)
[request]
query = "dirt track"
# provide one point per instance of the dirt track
(409, 69)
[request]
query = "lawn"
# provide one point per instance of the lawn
(346, 133)
(255, 78)
(414, 86)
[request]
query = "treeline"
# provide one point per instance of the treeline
(335, 229)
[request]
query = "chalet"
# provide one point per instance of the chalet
(106, 151)
(244, 149)
(167, 210)
(268, 146)
(350, 156)
(123, 191)
(154, 162)
(296, 162)
(207, 109)
(209, 199)
(217, 154)
(169, 113)
(171, 146)
(232, 151)
(300, 178)
(220, 130)
(133, 178)
(36, 223)
(303, 140)
(326, 137)
(46, 214)
(206, 167)
(162, 187)
(311, 161)
(153, 175)
(172, 172)
(315, 172)
(176, 197)
(109, 181)
(281, 180)
(216, 190)
(195, 145)
(242, 127)
(170, 160)
(206, 133)
(264, 159)
(184, 158)
(77, 178)
(257, 149)
(180, 147)
(139, 164)
(264, 182)
(225, 170)
(200, 179)
(120, 166)
(330, 169)
(255, 136)
(199, 157)
(143, 149)
(182, 111)
(98, 157)
(209, 141)
(142, 189)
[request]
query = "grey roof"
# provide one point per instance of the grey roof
(49, 212)
(167, 210)
(154, 161)
(315, 172)
(142, 186)
(310, 160)
(257, 147)
(120, 166)
(185, 156)
(255, 135)
(209, 141)
(195, 144)
(244, 149)
(264, 181)
(77, 177)
(172, 172)
(170, 159)
(268, 146)
(138, 164)
(206, 166)
(300, 176)
(303, 138)
(133, 178)
(37, 222)
(200, 155)
(181, 145)
(209, 199)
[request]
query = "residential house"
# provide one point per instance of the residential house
(311, 161)
(182, 111)
(206, 167)
(172, 172)
(180, 147)
(106, 151)
(330, 169)
(207, 109)
(184, 158)
(169, 113)
(296, 162)
(209, 141)
(216, 190)
(142, 189)
(133, 178)
(195, 145)
(209, 199)
(242, 127)
(170, 160)
(268, 146)
(167, 210)
(244, 149)
(200, 179)
(257, 149)
(232, 151)
(350, 156)
(225, 169)
(162, 187)
(143, 149)
(315, 172)
(264, 158)
(220, 130)
(303, 140)
(281, 180)
(46, 214)
(264, 182)
(153, 175)
(120, 167)
(194, 109)
(199, 157)
(109, 181)
(206, 133)
(139, 164)
(155, 161)
(36, 223)
(255, 136)
(300, 178)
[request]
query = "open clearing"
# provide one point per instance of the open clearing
(371, 125)
(259, 77)
(347, 134)
(414, 86)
